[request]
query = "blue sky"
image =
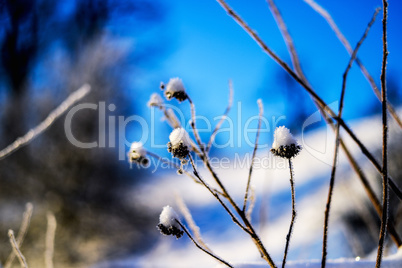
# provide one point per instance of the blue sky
(207, 48)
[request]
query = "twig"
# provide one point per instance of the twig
(190, 221)
(322, 105)
(335, 160)
(235, 220)
(288, 39)
(324, 13)
(201, 247)
(50, 234)
(26, 219)
(292, 187)
(193, 126)
(16, 249)
(215, 131)
(384, 218)
(56, 113)
(261, 111)
(251, 203)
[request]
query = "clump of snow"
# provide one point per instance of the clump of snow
(284, 145)
(179, 143)
(155, 100)
(168, 222)
(175, 89)
(137, 152)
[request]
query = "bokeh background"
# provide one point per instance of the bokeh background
(124, 49)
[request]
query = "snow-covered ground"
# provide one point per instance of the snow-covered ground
(272, 212)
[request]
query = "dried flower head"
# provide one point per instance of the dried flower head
(168, 222)
(155, 101)
(174, 89)
(284, 145)
(179, 144)
(137, 153)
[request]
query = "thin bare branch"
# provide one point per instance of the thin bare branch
(251, 205)
(385, 194)
(235, 220)
(292, 188)
(288, 39)
(319, 102)
(201, 247)
(261, 112)
(50, 234)
(337, 141)
(217, 127)
(36, 131)
(26, 219)
(190, 221)
(324, 13)
(16, 249)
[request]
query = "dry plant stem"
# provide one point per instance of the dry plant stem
(190, 221)
(193, 126)
(335, 160)
(172, 164)
(247, 227)
(261, 111)
(324, 13)
(292, 187)
(16, 249)
(371, 194)
(50, 234)
(26, 219)
(215, 131)
(288, 39)
(296, 64)
(56, 113)
(201, 247)
(385, 201)
(323, 106)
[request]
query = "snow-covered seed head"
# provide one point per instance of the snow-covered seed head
(137, 153)
(285, 145)
(168, 222)
(155, 101)
(179, 144)
(175, 89)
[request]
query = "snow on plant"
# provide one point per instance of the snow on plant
(137, 153)
(174, 89)
(168, 222)
(286, 146)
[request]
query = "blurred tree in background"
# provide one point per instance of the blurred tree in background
(49, 49)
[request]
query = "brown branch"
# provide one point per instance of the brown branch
(201, 247)
(324, 13)
(292, 188)
(322, 105)
(16, 249)
(26, 219)
(385, 198)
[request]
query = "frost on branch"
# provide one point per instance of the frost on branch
(179, 143)
(137, 153)
(168, 224)
(155, 101)
(174, 89)
(285, 145)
